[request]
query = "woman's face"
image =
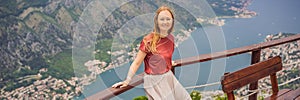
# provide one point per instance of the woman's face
(164, 20)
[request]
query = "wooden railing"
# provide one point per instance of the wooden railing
(255, 49)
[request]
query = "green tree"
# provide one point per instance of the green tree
(195, 95)
(260, 98)
(140, 98)
(218, 97)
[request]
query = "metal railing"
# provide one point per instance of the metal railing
(255, 50)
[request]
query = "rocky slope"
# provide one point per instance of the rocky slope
(34, 33)
(31, 31)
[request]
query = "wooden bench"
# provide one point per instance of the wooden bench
(250, 74)
(286, 94)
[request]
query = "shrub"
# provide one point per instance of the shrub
(195, 95)
(140, 98)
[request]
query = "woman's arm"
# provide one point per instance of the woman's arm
(132, 70)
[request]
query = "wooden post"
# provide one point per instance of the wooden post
(274, 84)
(230, 95)
(253, 86)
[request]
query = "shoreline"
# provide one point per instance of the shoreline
(41, 89)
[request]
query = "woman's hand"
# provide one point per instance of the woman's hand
(120, 84)
(174, 63)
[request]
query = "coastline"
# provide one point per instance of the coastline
(67, 89)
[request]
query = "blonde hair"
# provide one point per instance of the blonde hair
(153, 37)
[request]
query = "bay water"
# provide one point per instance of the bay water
(274, 16)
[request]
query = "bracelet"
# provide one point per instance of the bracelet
(128, 78)
(126, 81)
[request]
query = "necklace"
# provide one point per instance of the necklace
(163, 35)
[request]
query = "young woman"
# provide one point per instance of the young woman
(156, 51)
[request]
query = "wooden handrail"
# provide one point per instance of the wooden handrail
(235, 51)
(111, 92)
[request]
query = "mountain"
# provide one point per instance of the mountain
(38, 34)
(31, 31)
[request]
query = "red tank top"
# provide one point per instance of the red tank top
(160, 62)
